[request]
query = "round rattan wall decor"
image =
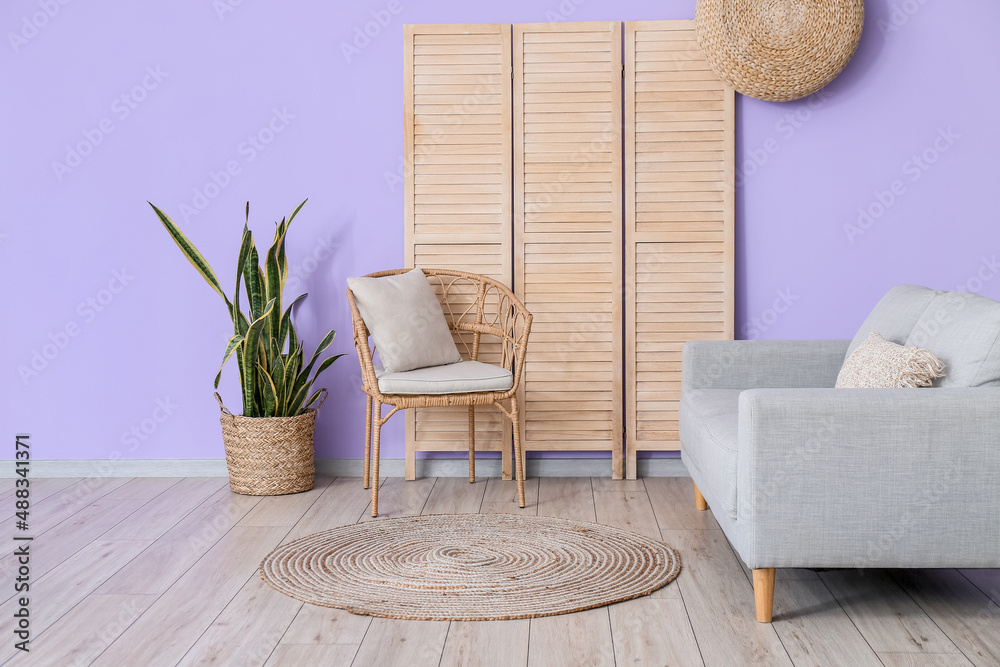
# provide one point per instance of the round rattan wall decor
(779, 50)
(470, 567)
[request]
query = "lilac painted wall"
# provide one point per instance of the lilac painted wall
(158, 99)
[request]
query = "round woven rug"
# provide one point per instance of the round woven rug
(470, 567)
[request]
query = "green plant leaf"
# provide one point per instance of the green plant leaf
(287, 328)
(193, 255)
(272, 284)
(245, 244)
(326, 364)
(251, 278)
(296, 211)
(295, 404)
(251, 354)
(268, 391)
(231, 346)
(312, 399)
(303, 377)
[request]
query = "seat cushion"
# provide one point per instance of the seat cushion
(465, 377)
(708, 430)
(963, 331)
(405, 319)
(895, 315)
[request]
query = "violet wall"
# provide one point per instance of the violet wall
(111, 340)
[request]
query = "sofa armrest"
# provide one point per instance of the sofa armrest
(869, 477)
(747, 364)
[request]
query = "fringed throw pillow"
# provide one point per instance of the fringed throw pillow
(881, 364)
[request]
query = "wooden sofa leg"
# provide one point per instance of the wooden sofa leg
(699, 500)
(763, 593)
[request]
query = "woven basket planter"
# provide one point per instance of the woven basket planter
(269, 456)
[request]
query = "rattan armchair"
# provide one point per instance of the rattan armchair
(474, 305)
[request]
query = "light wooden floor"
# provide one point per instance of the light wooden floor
(164, 572)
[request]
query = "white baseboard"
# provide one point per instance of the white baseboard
(558, 467)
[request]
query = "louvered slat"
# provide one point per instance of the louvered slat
(678, 221)
(567, 229)
(458, 192)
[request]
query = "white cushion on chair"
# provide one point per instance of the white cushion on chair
(405, 319)
(465, 377)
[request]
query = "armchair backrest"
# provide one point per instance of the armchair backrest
(473, 305)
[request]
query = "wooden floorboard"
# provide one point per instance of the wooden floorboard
(969, 618)
(165, 572)
(175, 622)
(672, 499)
(885, 614)
(566, 497)
(814, 629)
(653, 631)
(170, 556)
(572, 640)
(487, 643)
(719, 602)
(88, 629)
(394, 643)
(248, 629)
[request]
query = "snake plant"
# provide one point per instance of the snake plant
(273, 374)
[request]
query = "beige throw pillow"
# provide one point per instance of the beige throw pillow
(881, 364)
(405, 319)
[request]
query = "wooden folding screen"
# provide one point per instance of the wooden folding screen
(567, 233)
(679, 145)
(515, 160)
(458, 191)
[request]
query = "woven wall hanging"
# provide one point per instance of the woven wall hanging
(779, 50)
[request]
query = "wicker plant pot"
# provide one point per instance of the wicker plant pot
(269, 456)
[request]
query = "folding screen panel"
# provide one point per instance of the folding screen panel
(679, 147)
(568, 233)
(458, 191)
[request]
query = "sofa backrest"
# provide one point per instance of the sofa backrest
(960, 328)
(895, 315)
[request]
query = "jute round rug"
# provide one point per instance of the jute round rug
(470, 567)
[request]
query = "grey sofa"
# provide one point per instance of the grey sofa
(800, 474)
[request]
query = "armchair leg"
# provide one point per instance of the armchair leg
(518, 456)
(375, 444)
(699, 500)
(472, 444)
(763, 593)
(366, 473)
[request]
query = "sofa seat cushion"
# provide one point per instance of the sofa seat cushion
(709, 419)
(895, 315)
(963, 331)
(465, 377)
